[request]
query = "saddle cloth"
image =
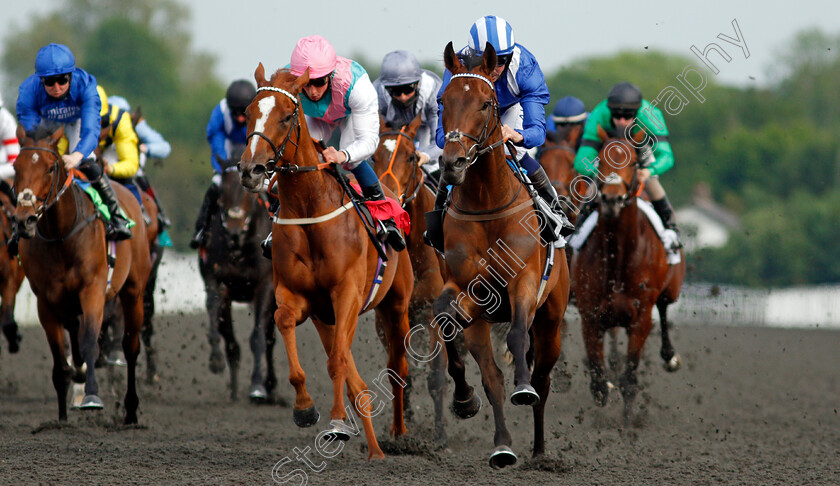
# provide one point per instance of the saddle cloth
(667, 236)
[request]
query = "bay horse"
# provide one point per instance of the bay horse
(494, 266)
(64, 256)
(11, 277)
(323, 266)
(557, 156)
(396, 163)
(234, 270)
(621, 272)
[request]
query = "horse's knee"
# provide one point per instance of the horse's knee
(442, 303)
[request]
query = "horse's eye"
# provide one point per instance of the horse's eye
(52, 169)
(486, 105)
(287, 119)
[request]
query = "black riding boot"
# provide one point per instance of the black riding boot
(546, 191)
(434, 219)
(265, 244)
(208, 207)
(118, 226)
(393, 237)
(146, 187)
(666, 214)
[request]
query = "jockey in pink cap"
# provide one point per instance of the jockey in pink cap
(340, 95)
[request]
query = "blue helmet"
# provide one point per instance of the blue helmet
(494, 30)
(569, 110)
(54, 59)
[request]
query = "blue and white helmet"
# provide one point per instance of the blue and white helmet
(494, 30)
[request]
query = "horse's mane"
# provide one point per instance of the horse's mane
(283, 74)
(43, 130)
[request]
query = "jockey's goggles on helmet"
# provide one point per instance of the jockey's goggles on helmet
(238, 110)
(503, 60)
(626, 113)
(402, 89)
(319, 82)
(61, 79)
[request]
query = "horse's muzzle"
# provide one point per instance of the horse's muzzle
(455, 171)
(26, 226)
(611, 206)
(252, 177)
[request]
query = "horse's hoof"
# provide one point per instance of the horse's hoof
(258, 394)
(91, 402)
(117, 358)
(601, 392)
(466, 408)
(525, 395)
(217, 363)
(673, 364)
(502, 457)
(307, 417)
(338, 431)
(77, 396)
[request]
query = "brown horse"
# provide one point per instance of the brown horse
(323, 268)
(557, 156)
(621, 272)
(64, 256)
(395, 161)
(11, 277)
(494, 262)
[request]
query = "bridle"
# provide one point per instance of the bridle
(457, 136)
(631, 191)
(272, 163)
(413, 181)
(237, 213)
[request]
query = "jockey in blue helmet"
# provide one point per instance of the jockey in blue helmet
(63, 93)
(522, 94)
(568, 111)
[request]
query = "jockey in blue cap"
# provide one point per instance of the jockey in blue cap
(569, 111)
(63, 93)
(522, 94)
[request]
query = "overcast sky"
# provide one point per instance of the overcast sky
(242, 33)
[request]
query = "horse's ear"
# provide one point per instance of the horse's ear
(21, 135)
(414, 126)
(56, 135)
(602, 134)
(259, 75)
(450, 59)
(301, 81)
(489, 59)
(137, 115)
(638, 137)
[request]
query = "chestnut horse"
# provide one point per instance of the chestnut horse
(324, 262)
(64, 255)
(494, 263)
(395, 161)
(557, 156)
(234, 270)
(11, 277)
(621, 272)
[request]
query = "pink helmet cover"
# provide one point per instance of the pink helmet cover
(313, 52)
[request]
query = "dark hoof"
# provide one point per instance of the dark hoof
(673, 364)
(92, 402)
(600, 391)
(258, 394)
(217, 363)
(467, 408)
(337, 432)
(307, 417)
(525, 395)
(117, 358)
(502, 457)
(13, 336)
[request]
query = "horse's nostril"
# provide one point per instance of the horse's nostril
(258, 170)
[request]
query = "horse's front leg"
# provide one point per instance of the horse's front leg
(61, 370)
(214, 302)
(92, 300)
(346, 306)
(672, 360)
(7, 314)
(304, 412)
(518, 341)
(465, 402)
(260, 308)
(477, 338)
(637, 335)
(593, 339)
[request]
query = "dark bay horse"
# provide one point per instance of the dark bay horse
(11, 276)
(234, 270)
(63, 252)
(621, 272)
(324, 263)
(495, 263)
(395, 162)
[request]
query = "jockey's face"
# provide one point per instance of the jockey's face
(56, 86)
(316, 88)
(622, 123)
(494, 76)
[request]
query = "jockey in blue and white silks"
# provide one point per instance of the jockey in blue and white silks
(522, 94)
(226, 128)
(62, 93)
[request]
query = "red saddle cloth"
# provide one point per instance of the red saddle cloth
(387, 209)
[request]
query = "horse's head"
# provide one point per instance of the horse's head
(39, 173)
(275, 125)
(235, 204)
(395, 159)
(619, 165)
(470, 114)
(557, 156)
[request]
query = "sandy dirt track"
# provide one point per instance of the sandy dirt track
(750, 406)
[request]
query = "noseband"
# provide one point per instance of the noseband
(629, 193)
(26, 196)
(271, 165)
(412, 182)
(457, 136)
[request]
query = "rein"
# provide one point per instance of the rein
(413, 181)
